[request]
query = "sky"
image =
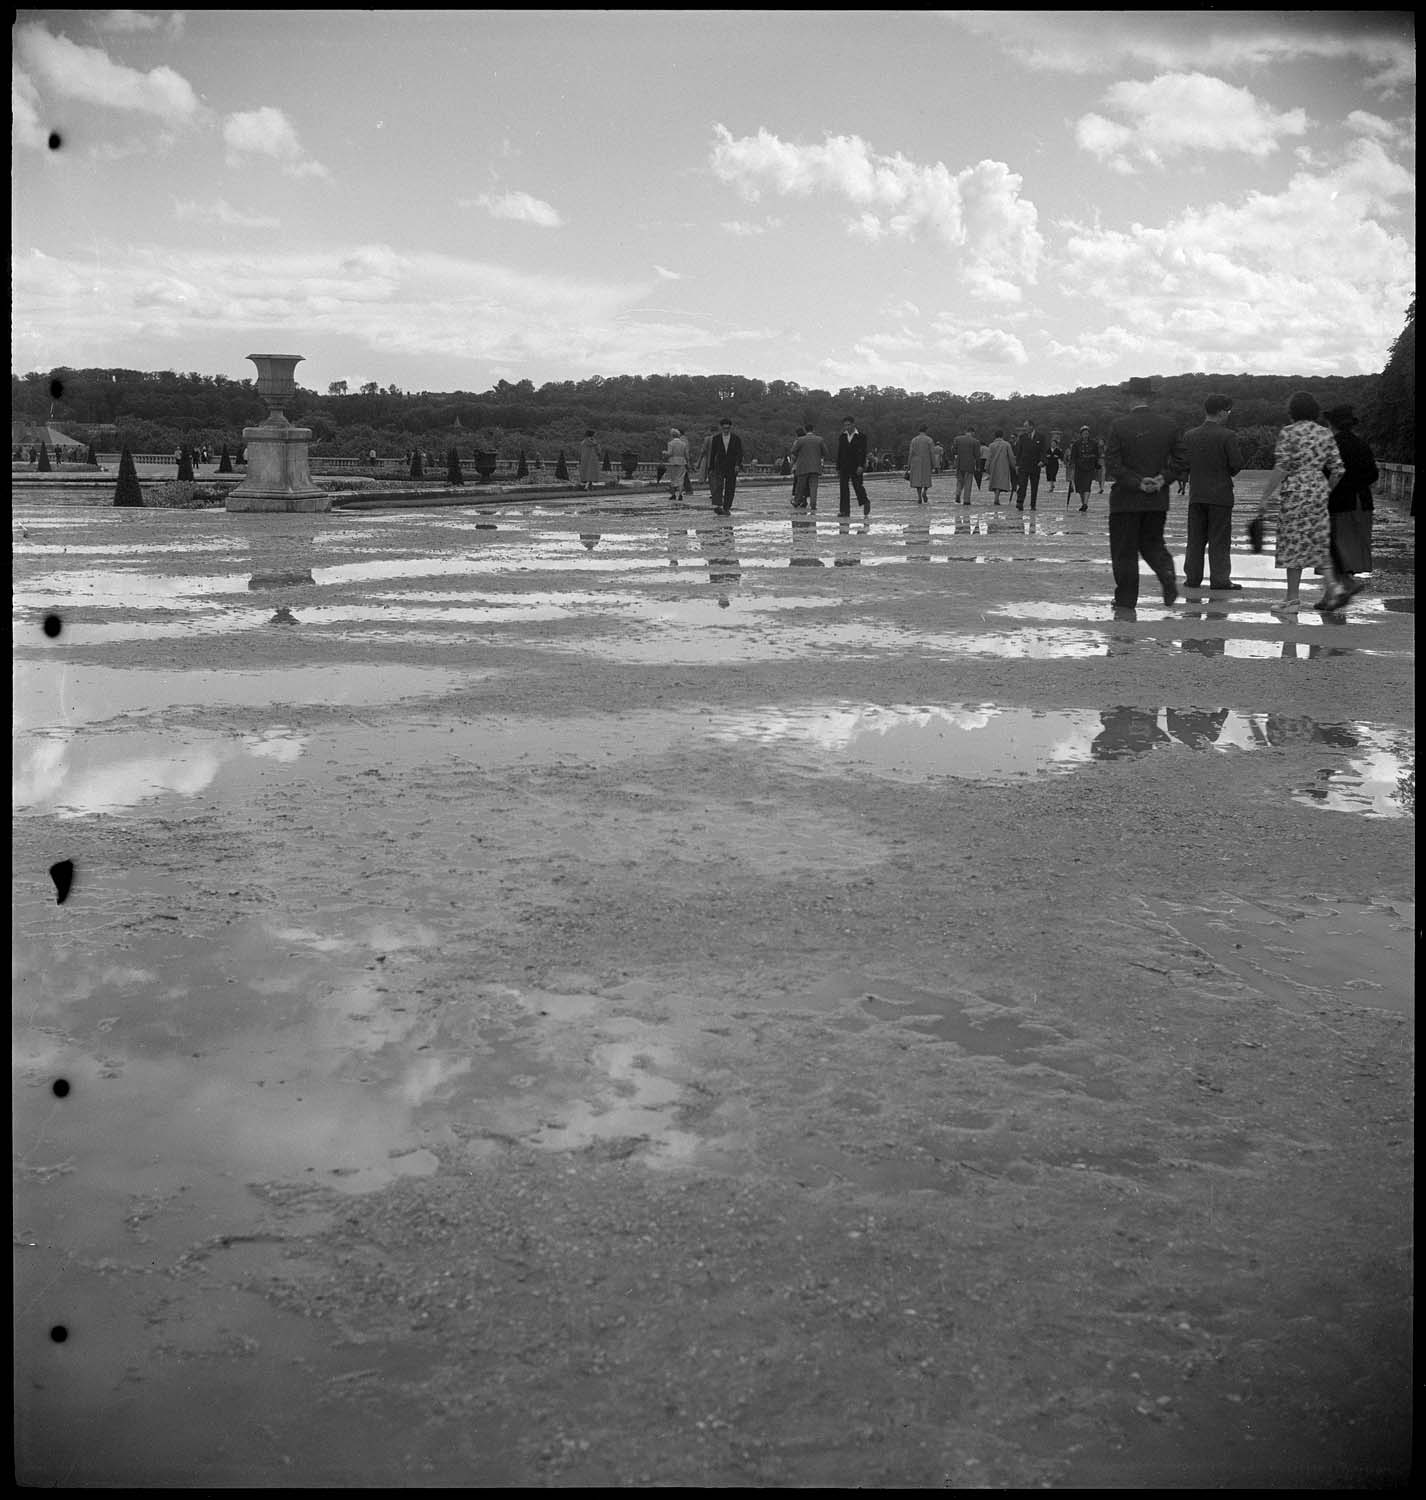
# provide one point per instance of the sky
(1007, 201)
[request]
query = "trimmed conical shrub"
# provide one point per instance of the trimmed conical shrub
(453, 473)
(225, 464)
(43, 464)
(561, 467)
(93, 458)
(607, 465)
(185, 465)
(417, 472)
(127, 491)
(523, 472)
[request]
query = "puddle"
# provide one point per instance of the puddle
(51, 694)
(1310, 954)
(1378, 782)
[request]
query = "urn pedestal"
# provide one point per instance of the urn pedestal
(278, 478)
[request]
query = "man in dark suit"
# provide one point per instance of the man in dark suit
(725, 458)
(851, 464)
(1145, 455)
(1030, 448)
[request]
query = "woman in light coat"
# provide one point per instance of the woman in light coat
(676, 458)
(999, 464)
(920, 464)
(588, 461)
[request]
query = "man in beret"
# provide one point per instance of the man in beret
(1144, 456)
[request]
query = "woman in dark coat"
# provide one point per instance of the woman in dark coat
(1349, 506)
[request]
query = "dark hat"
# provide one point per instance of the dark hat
(726, 422)
(1341, 416)
(852, 420)
(1139, 386)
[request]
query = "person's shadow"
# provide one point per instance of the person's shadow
(1126, 731)
(804, 543)
(720, 547)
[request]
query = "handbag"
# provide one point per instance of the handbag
(1255, 533)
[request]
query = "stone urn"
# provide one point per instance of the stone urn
(278, 478)
(485, 463)
(628, 461)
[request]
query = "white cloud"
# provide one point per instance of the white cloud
(977, 211)
(79, 308)
(268, 132)
(25, 126)
(518, 206)
(1224, 41)
(222, 213)
(668, 275)
(124, 22)
(1182, 112)
(745, 227)
(1307, 280)
(89, 75)
(1365, 123)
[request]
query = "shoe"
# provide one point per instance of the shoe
(1019, 507)
(1287, 607)
(1355, 587)
(1083, 508)
(1332, 601)
(1032, 507)
(1226, 588)
(1125, 612)
(1170, 596)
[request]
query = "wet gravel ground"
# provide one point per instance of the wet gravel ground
(592, 994)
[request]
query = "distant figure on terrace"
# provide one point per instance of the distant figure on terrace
(588, 461)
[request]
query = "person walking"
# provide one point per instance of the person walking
(676, 459)
(1305, 452)
(725, 459)
(588, 461)
(999, 465)
(938, 457)
(1145, 455)
(1029, 455)
(1053, 455)
(1083, 464)
(1350, 506)
(1214, 457)
(920, 464)
(807, 455)
(851, 465)
(967, 452)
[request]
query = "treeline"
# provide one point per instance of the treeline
(156, 411)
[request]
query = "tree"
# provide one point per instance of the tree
(337, 388)
(523, 471)
(1390, 418)
(43, 465)
(127, 491)
(370, 388)
(453, 473)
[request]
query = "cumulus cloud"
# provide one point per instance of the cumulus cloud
(268, 132)
(221, 213)
(1184, 112)
(126, 22)
(1311, 279)
(1382, 45)
(666, 274)
(90, 76)
(1365, 123)
(521, 207)
(977, 212)
(84, 307)
(746, 227)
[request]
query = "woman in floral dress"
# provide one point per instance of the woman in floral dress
(1306, 464)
